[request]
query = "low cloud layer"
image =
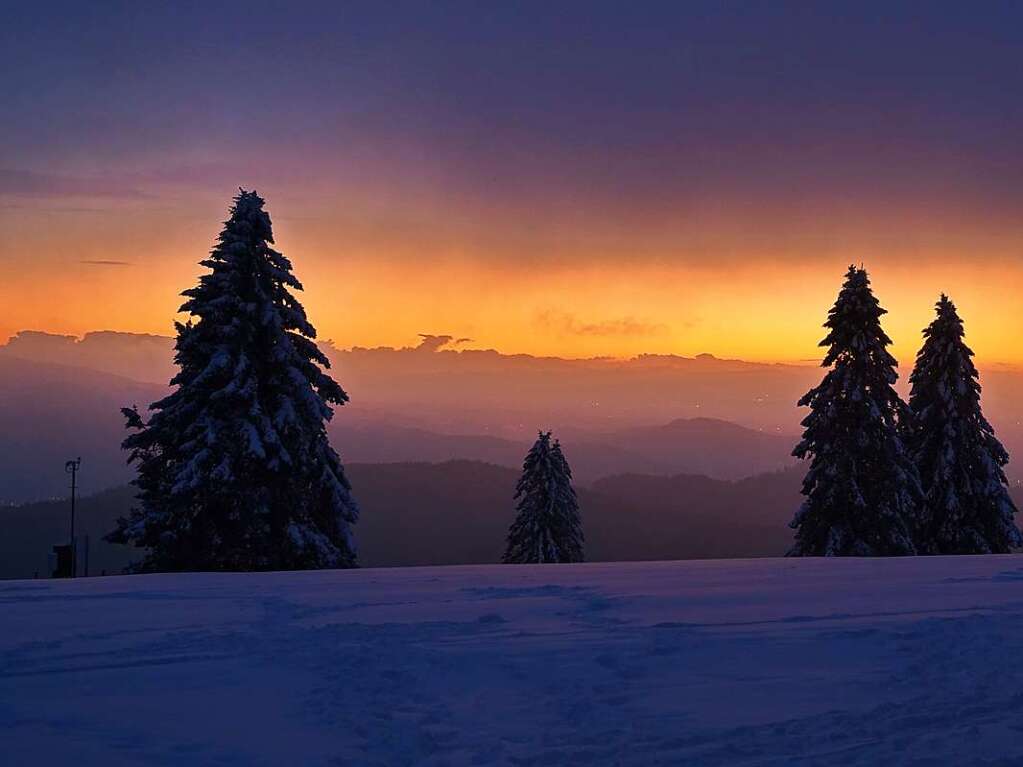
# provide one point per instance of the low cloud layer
(568, 324)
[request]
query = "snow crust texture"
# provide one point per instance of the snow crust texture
(744, 662)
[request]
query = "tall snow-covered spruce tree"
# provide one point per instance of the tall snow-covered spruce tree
(967, 508)
(862, 489)
(235, 471)
(548, 527)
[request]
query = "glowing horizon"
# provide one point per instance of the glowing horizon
(698, 185)
(513, 314)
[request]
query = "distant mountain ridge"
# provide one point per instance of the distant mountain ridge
(148, 357)
(458, 512)
(60, 397)
(50, 413)
(709, 446)
(137, 356)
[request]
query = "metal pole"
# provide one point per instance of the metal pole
(72, 468)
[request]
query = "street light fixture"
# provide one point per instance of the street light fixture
(71, 467)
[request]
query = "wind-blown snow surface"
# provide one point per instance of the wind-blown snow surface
(907, 661)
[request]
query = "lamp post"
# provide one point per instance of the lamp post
(71, 467)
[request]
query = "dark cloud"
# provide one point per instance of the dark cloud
(103, 262)
(435, 342)
(23, 183)
(854, 147)
(432, 343)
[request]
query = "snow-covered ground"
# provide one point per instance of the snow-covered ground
(779, 662)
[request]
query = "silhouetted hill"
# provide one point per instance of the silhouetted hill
(381, 442)
(637, 517)
(458, 512)
(455, 512)
(28, 533)
(441, 388)
(137, 356)
(51, 413)
(709, 446)
(413, 513)
(368, 441)
(434, 404)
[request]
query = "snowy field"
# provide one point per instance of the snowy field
(766, 662)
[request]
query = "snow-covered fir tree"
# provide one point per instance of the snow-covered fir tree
(862, 489)
(548, 527)
(235, 471)
(967, 508)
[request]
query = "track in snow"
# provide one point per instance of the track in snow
(759, 662)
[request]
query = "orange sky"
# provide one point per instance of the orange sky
(375, 277)
(597, 179)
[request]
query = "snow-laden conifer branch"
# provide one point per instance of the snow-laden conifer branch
(234, 468)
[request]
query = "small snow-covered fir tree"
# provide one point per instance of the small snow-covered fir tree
(548, 527)
(967, 508)
(862, 489)
(235, 471)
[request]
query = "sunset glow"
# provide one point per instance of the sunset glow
(576, 382)
(697, 185)
(96, 270)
